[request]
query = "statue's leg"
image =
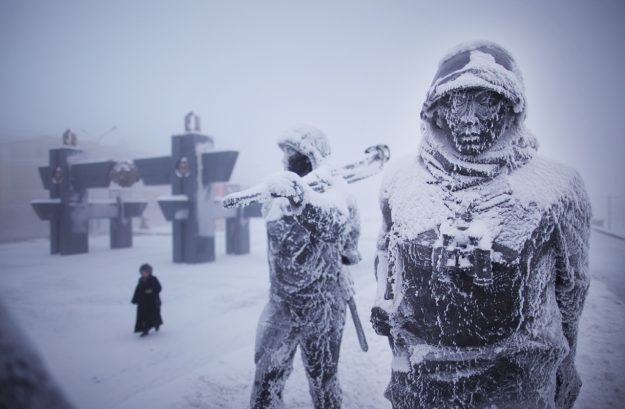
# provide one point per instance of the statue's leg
(275, 347)
(320, 353)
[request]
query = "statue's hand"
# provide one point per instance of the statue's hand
(288, 185)
(380, 321)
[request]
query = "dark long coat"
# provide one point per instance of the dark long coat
(148, 303)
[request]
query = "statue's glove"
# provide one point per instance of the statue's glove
(380, 321)
(288, 185)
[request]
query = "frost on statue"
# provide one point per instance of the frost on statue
(482, 262)
(311, 237)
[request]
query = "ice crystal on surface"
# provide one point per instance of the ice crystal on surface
(482, 263)
(310, 242)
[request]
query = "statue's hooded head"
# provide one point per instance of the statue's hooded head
(477, 95)
(305, 148)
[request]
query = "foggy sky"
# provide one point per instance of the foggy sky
(358, 70)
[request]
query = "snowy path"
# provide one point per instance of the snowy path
(608, 262)
(77, 312)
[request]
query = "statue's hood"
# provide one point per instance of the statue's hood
(308, 141)
(476, 65)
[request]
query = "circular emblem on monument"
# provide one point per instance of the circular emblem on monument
(125, 174)
(57, 176)
(183, 168)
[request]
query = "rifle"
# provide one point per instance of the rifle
(359, 331)
(371, 164)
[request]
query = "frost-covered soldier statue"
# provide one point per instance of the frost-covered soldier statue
(310, 237)
(483, 256)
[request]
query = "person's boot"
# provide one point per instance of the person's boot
(144, 333)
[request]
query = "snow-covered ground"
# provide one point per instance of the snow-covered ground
(78, 314)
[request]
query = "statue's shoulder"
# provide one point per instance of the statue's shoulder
(404, 173)
(545, 181)
(410, 198)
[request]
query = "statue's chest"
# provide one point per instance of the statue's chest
(287, 236)
(463, 281)
(456, 259)
(464, 229)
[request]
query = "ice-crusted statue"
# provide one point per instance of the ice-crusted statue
(482, 262)
(311, 236)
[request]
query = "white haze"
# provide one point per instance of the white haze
(359, 70)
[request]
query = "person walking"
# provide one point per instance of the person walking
(148, 301)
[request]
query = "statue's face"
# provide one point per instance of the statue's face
(296, 162)
(474, 119)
